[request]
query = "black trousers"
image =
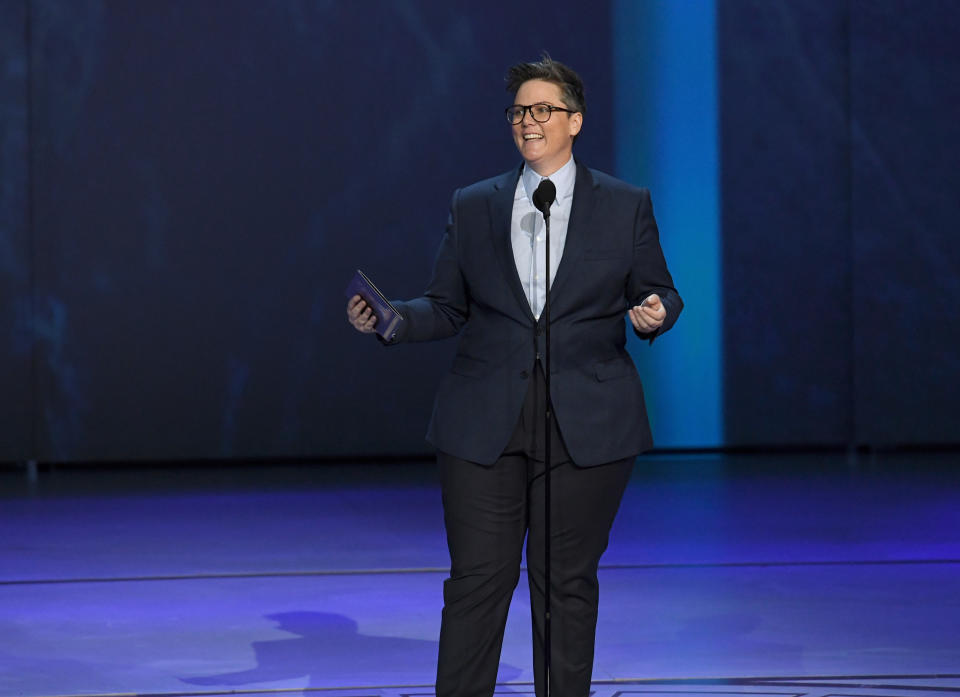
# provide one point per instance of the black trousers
(488, 510)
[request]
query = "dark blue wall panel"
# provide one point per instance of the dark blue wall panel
(208, 179)
(905, 95)
(840, 208)
(16, 403)
(785, 212)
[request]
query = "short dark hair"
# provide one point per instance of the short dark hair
(549, 70)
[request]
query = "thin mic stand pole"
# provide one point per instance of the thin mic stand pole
(543, 198)
(548, 433)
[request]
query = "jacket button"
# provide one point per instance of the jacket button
(524, 374)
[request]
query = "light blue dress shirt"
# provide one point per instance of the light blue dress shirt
(527, 231)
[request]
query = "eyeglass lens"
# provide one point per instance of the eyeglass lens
(539, 112)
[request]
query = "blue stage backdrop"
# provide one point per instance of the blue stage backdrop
(841, 253)
(788, 315)
(666, 135)
(16, 365)
(186, 189)
(905, 220)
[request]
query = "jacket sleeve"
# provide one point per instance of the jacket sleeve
(649, 273)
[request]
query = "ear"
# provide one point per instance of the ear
(576, 123)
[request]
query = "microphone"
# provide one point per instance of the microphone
(544, 197)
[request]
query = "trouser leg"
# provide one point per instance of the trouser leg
(584, 504)
(487, 512)
(485, 517)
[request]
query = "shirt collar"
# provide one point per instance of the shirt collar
(563, 179)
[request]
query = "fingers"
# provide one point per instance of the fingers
(639, 320)
(652, 301)
(353, 302)
(646, 318)
(360, 315)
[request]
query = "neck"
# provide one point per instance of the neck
(545, 170)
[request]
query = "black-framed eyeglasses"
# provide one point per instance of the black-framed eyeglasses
(540, 112)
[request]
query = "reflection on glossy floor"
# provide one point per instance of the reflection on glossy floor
(760, 575)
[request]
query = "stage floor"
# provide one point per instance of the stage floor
(755, 575)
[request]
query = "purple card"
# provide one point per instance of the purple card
(387, 316)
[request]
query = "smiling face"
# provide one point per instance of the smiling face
(546, 147)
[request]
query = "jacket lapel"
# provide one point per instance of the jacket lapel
(577, 229)
(501, 210)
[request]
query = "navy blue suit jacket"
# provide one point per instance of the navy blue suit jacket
(611, 261)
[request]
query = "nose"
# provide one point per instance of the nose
(527, 114)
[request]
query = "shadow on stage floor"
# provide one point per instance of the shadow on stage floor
(838, 575)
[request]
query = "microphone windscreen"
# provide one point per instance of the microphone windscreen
(544, 196)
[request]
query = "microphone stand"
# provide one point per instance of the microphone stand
(548, 436)
(543, 198)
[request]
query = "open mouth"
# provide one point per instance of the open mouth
(532, 136)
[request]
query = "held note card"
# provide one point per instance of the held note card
(387, 316)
